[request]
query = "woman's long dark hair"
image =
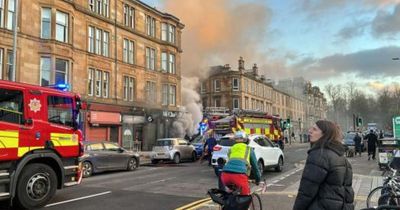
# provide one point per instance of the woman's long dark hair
(331, 133)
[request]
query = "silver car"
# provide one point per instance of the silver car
(173, 149)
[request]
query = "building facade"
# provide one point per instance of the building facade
(295, 99)
(123, 57)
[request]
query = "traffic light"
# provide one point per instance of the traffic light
(288, 122)
(359, 121)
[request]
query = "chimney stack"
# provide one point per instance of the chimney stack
(255, 70)
(241, 64)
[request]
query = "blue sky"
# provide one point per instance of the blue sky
(325, 41)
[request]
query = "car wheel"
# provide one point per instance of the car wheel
(87, 169)
(279, 167)
(132, 164)
(260, 165)
(154, 161)
(36, 185)
(194, 156)
(177, 158)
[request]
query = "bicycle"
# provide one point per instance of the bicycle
(387, 194)
(230, 199)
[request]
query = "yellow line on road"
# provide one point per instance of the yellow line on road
(194, 204)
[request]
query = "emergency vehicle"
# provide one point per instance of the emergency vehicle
(40, 143)
(252, 122)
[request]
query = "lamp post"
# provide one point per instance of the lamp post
(299, 120)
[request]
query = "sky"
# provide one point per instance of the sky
(324, 41)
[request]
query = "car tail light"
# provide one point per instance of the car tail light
(217, 148)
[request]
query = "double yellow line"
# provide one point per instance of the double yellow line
(194, 205)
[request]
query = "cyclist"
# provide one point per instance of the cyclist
(241, 162)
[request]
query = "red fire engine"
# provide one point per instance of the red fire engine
(252, 122)
(40, 143)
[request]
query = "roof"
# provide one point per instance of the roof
(35, 87)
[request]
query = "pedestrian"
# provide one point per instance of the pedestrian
(327, 177)
(381, 134)
(293, 136)
(209, 145)
(372, 142)
(357, 143)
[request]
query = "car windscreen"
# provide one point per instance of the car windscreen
(164, 143)
(349, 138)
(228, 142)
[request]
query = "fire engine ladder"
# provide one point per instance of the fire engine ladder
(219, 111)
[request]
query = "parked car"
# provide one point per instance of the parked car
(105, 156)
(348, 140)
(173, 149)
(268, 154)
(198, 144)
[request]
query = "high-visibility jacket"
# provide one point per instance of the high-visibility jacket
(241, 151)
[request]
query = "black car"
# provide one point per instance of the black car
(105, 156)
(348, 140)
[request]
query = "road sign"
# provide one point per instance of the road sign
(396, 127)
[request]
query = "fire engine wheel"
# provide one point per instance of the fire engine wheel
(132, 164)
(87, 169)
(37, 184)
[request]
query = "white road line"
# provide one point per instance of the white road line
(77, 199)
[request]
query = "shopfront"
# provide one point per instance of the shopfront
(103, 126)
(132, 132)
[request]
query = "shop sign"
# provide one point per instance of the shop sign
(104, 118)
(169, 114)
(129, 119)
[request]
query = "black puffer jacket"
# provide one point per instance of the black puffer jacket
(326, 181)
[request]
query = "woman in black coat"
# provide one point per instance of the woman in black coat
(327, 177)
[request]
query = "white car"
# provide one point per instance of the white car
(267, 153)
(173, 149)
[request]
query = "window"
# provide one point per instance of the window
(151, 92)
(129, 88)
(98, 41)
(106, 81)
(60, 110)
(10, 74)
(217, 85)
(94, 147)
(1, 62)
(246, 103)
(129, 16)
(61, 26)
(90, 82)
(91, 39)
(61, 71)
(172, 95)
(105, 43)
(235, 104)
(128, 49)
(150, 26)
(98, 83)
(168, 62)
(45, 70)
(10, 14)
(217, 102)
(46, 23)
(203, 87)
(111, 147)
(150, 58)
(169, 95)
(100, 7)
(168, 32)
(235, 84)
(11, 106)
(1, 13)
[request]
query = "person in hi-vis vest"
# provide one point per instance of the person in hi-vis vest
(241, 162)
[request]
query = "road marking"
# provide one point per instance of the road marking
(77, 199)
(194, 204)
(152, 182)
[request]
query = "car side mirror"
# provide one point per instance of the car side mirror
(120, 150)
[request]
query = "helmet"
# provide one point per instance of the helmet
(240, 137)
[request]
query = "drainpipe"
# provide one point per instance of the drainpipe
(115, 53)
(15, 21)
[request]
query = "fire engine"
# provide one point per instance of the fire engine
(40, 142)
(252, 122)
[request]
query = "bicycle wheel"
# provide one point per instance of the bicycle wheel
(256, 203)
(374, 197)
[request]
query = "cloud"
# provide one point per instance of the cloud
(376, 85)
(365, 64)
(355, 29)
(386, 23)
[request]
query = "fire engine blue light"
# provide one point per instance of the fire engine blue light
(61, 86)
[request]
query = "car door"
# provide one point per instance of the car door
(274, 151)
(261, 150)
(115, 156)
(184, 149)
(268, 151)
(97, 155)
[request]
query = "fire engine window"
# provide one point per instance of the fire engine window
(11, 106)
(60, 110)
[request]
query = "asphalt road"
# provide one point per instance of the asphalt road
(162, 186)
